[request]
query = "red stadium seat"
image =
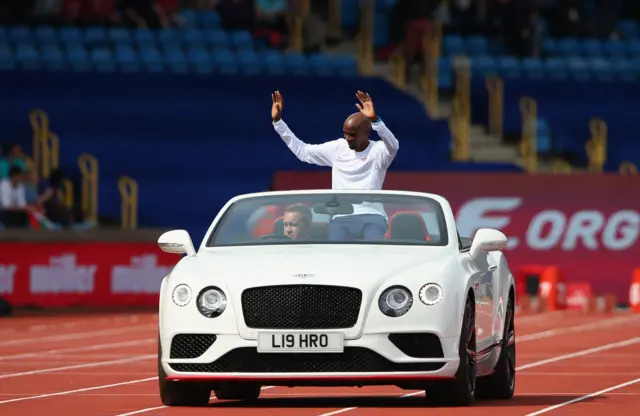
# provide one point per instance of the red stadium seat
(407, 225)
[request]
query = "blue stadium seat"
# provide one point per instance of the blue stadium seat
(27, 56)
(78, 58)
(102, 59)
(633, 47)
(556, 68)
(445, 73)
(296, 64)
(549, 46)
(477, 45)
(624, 68)
(126, 58)
(70, 35)
(592, 48)
(216, 39)
(225, 62)
(119, 36)
(249, 62)
(273, 62)
(568, 47)
(320, 64)
(483, 65)
(189, 17)
(144, 38)
(200, 60)
(152, 59)
(533, 68)
(579, 69)
(345, 65)
(45, 34)
(19, 34)
(52, 56)
(614, 49)
(176, 59)
(208, 19)
(192, 36)
(453, 45)
(629, 29)
(95, 35)
(241, 39)
(602, 69)
(7, 58)
(509, 67)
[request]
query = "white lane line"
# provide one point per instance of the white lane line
(532, 365)
(78, 335)
(580, 328)
(133, 343)
(585, 397)
(150, 409)
(74, 367)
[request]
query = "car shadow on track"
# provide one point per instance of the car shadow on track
(330, 402)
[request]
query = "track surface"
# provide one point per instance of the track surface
(105, 365)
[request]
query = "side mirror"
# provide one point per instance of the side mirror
(176, 242)
(487, 239)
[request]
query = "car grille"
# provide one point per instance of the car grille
(190, 345)
(352, 360)
(301, 307)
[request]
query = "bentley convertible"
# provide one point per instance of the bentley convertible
(282, 293)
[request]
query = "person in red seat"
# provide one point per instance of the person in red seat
(297, 222)
(408, 225)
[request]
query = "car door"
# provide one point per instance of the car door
(483, 286)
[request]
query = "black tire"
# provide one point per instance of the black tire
(462, 390)
(180, 393)
(502, 383)
(243, 391)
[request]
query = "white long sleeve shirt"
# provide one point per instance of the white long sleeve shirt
(350, 169)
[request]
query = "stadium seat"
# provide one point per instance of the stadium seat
(407, 225)
(208, 19)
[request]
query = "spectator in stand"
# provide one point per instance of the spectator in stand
(144, 14)
(54, 208)
(417, 16)
(237, 14)
(14, 157)
(271, 22)
(14, 211)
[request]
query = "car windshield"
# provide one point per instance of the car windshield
(332, 218)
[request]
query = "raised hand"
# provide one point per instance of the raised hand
(277, 104)
(366, 105)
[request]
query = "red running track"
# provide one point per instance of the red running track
(104, 365)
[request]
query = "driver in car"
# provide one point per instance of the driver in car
(297, 222)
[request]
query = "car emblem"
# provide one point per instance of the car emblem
(303, 275)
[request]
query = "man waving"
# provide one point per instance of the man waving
(357, 164)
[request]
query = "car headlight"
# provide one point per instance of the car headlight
(430, 294)
(395, 301)
(211, 302)
(181, 295)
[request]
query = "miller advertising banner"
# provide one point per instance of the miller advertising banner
(587, 224)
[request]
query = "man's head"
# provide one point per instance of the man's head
(15, 175)
(297, 222)
(356, 131)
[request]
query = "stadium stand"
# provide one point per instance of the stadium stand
(143, 115)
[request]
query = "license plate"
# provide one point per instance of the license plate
(300, 342)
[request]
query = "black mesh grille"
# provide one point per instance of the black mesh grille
(352, 360)
(418, 345)
(191, 345)
(301, 307)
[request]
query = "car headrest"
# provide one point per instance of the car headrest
(278, 226)
(408, 225)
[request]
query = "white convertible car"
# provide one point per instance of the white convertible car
(419, 308)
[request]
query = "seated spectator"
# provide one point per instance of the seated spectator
(55, 208)
(14, 212)
(271, 22)
(237, 14)
(12, 156)
(144, 14)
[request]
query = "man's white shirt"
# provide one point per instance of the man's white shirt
(351, 170)
(12, 196)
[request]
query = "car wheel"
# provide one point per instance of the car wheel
(502, 383)
(462, 390)
(180, 393)
(238, 392)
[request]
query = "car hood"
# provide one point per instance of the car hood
(359, 266)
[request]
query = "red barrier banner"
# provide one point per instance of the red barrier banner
(82, 274)
(587, 225)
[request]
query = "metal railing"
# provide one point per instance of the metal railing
(460, 121)
(561, 166)
(596, 146)
(40, 125)
(528, 142)
(495, 88)
(89, 169)
(628, 168)
(364, 39)
(128, 188)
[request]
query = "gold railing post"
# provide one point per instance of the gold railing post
(66, 193)
(561, 166)
(297, 20)
(495, 87)
(397, 66)
(40, 125)
(430, 78)
(596, 147)
(50, 153)
(460, 122)
(89, 168)
(129, 193)
(335, 19)
(628, 168)
(528, 143)
(365, 38)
